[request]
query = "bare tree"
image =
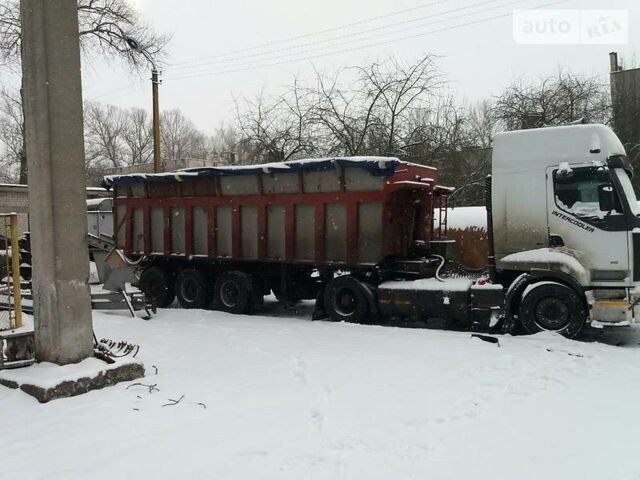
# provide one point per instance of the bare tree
(556, 100)
(180, 139)
(9, 31)
(481, 124)
(435, 130)
(104, 129)
(11, 136)
(345, 116)
(402, 90)
(137, 137)
(276, 129)
(104, 26)
(369, 110)
(386, 108)
(116, 137)
(224, 145)
(456, 139)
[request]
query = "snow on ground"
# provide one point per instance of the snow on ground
(280, 397)
(464, 217)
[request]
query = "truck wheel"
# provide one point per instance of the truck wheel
(347, 299)
(552, 306)
(157, 286)
(193, 289)
(234, 292)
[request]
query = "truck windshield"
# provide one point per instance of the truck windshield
(627, 187)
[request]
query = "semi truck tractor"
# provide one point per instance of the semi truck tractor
(359, 236)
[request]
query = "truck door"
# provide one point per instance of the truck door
(598, 239)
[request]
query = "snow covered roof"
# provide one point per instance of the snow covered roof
(378, 166)
(96, 203)
(527, 150)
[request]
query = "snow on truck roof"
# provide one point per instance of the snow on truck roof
(525, 150)
(378, 166)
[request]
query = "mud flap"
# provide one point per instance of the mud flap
(508, 323)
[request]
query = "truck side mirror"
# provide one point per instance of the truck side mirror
(606, 197)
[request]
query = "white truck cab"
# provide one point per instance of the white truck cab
(565, 228)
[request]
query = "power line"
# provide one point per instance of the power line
(347, 50)
(348, 35)
(496, 17)
(116, 92)
(249, 66)
(110, 92)
(316, 33)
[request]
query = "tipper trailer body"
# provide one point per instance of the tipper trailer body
(348, 212)
(358, 235)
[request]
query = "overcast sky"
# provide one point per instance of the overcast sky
(478, 56)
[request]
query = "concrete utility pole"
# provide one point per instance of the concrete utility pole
(57, 203)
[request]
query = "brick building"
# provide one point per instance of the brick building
(625, 100)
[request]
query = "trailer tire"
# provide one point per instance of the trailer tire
(552, 306)
(157, 285)
(193, 289)
(346, 299)
(235, 292)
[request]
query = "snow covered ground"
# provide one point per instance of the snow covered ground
(277, 396)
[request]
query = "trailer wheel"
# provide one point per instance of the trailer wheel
(552, 306)
(157, 286)
(347, 299)
(234, 292)
(193, 289)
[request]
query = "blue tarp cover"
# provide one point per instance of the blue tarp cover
(379, 166)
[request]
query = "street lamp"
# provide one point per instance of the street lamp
(155, 81)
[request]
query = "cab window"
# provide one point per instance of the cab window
(578, 192)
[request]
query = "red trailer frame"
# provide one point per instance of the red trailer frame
(407, 184)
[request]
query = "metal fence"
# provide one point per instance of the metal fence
(10, 295)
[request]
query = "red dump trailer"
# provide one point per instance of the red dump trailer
(327, 229)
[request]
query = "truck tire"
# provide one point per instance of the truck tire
(157, 286)
(346, 299)
(193, 289)
(552, 306)
(235, 292)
